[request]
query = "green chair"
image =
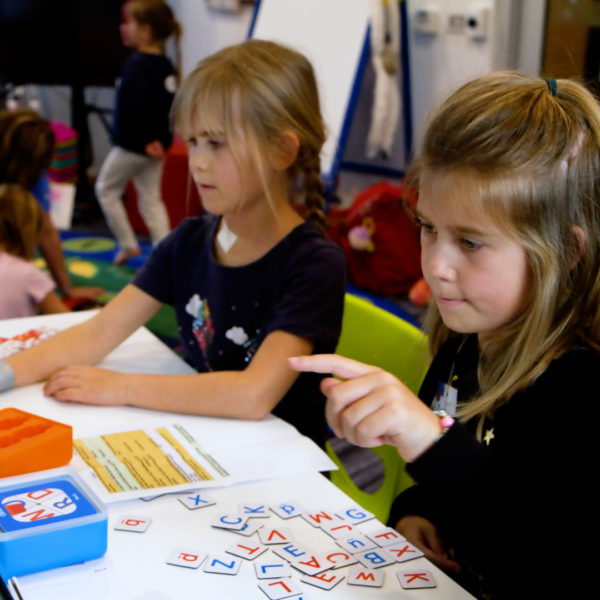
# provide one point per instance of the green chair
(377, 337)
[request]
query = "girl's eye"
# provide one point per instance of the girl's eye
(424, 226)
(191, 142)
(471, 244)
(216, 143)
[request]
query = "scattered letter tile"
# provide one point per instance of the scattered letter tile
(254, 510)
(184, 557)
(356, 543)
(274, 535)
(246, 550)
(194, 500)
(338, 529)
(367, 577)
(326, 581)
(311, 564)
(403, 551)
(272, 569)
(355, 514)
(250, 528)
(230, 521)
(316, 519)
(376, 558)
(133, 523)
(291, 552)
(222, 564)
(385, 537)
(280, 588)
(415, 579)
(287, 510)
(339, 558)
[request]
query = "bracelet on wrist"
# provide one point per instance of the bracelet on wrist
(7, 376)
(446, 421)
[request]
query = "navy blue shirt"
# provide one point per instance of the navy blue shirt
(224, 313)
(144, 96)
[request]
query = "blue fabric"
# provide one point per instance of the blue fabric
(41, 191)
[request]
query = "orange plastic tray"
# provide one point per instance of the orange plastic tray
(31, 443)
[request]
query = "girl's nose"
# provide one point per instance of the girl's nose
(437, 262)
(197, 159)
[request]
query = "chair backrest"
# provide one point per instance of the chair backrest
(375, 336)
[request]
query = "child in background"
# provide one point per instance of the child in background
(141, 132)
(508, 485)
(25, 289)
(252, 283)
(26, 147)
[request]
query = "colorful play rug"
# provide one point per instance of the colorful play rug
(89, 261)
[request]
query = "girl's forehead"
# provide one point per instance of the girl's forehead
(463, 201)
(453, 194)
(205, 120)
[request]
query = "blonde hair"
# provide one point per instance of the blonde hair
(256, 91)
(532, 149)
(21, 218)
(157, 14)
(26, 146)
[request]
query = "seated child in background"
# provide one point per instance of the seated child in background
(26, 147)
(252, 283)
(508, 485)
(25, 289)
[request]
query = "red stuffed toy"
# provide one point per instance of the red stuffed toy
(380, 238)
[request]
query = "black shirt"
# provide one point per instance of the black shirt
(520, 513)
(145, 93)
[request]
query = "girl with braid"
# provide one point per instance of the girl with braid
(252, 282)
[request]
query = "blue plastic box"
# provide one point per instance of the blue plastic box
(49, 519)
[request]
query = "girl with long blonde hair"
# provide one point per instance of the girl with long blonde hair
(506, 462)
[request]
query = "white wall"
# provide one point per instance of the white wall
(443, 60)
(205, 31)
(448, 56)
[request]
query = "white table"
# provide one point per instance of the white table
(134, 567)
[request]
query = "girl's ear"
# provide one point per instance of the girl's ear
(579, 244)
(285, 151)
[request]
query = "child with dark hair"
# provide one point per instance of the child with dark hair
(26, 148)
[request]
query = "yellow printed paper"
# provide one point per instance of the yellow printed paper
(148, 459)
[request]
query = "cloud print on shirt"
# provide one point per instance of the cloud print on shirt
(193, 305)
(237, 335)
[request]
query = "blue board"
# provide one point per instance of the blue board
(49, 519)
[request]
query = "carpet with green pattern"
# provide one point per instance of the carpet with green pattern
(89, 262)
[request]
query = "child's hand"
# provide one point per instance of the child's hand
(370, 407)
(423, 534)
(155, 149)
(87, 385)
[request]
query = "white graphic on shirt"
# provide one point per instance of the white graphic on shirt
(193, 305)
(171, 83)
(237, 335)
